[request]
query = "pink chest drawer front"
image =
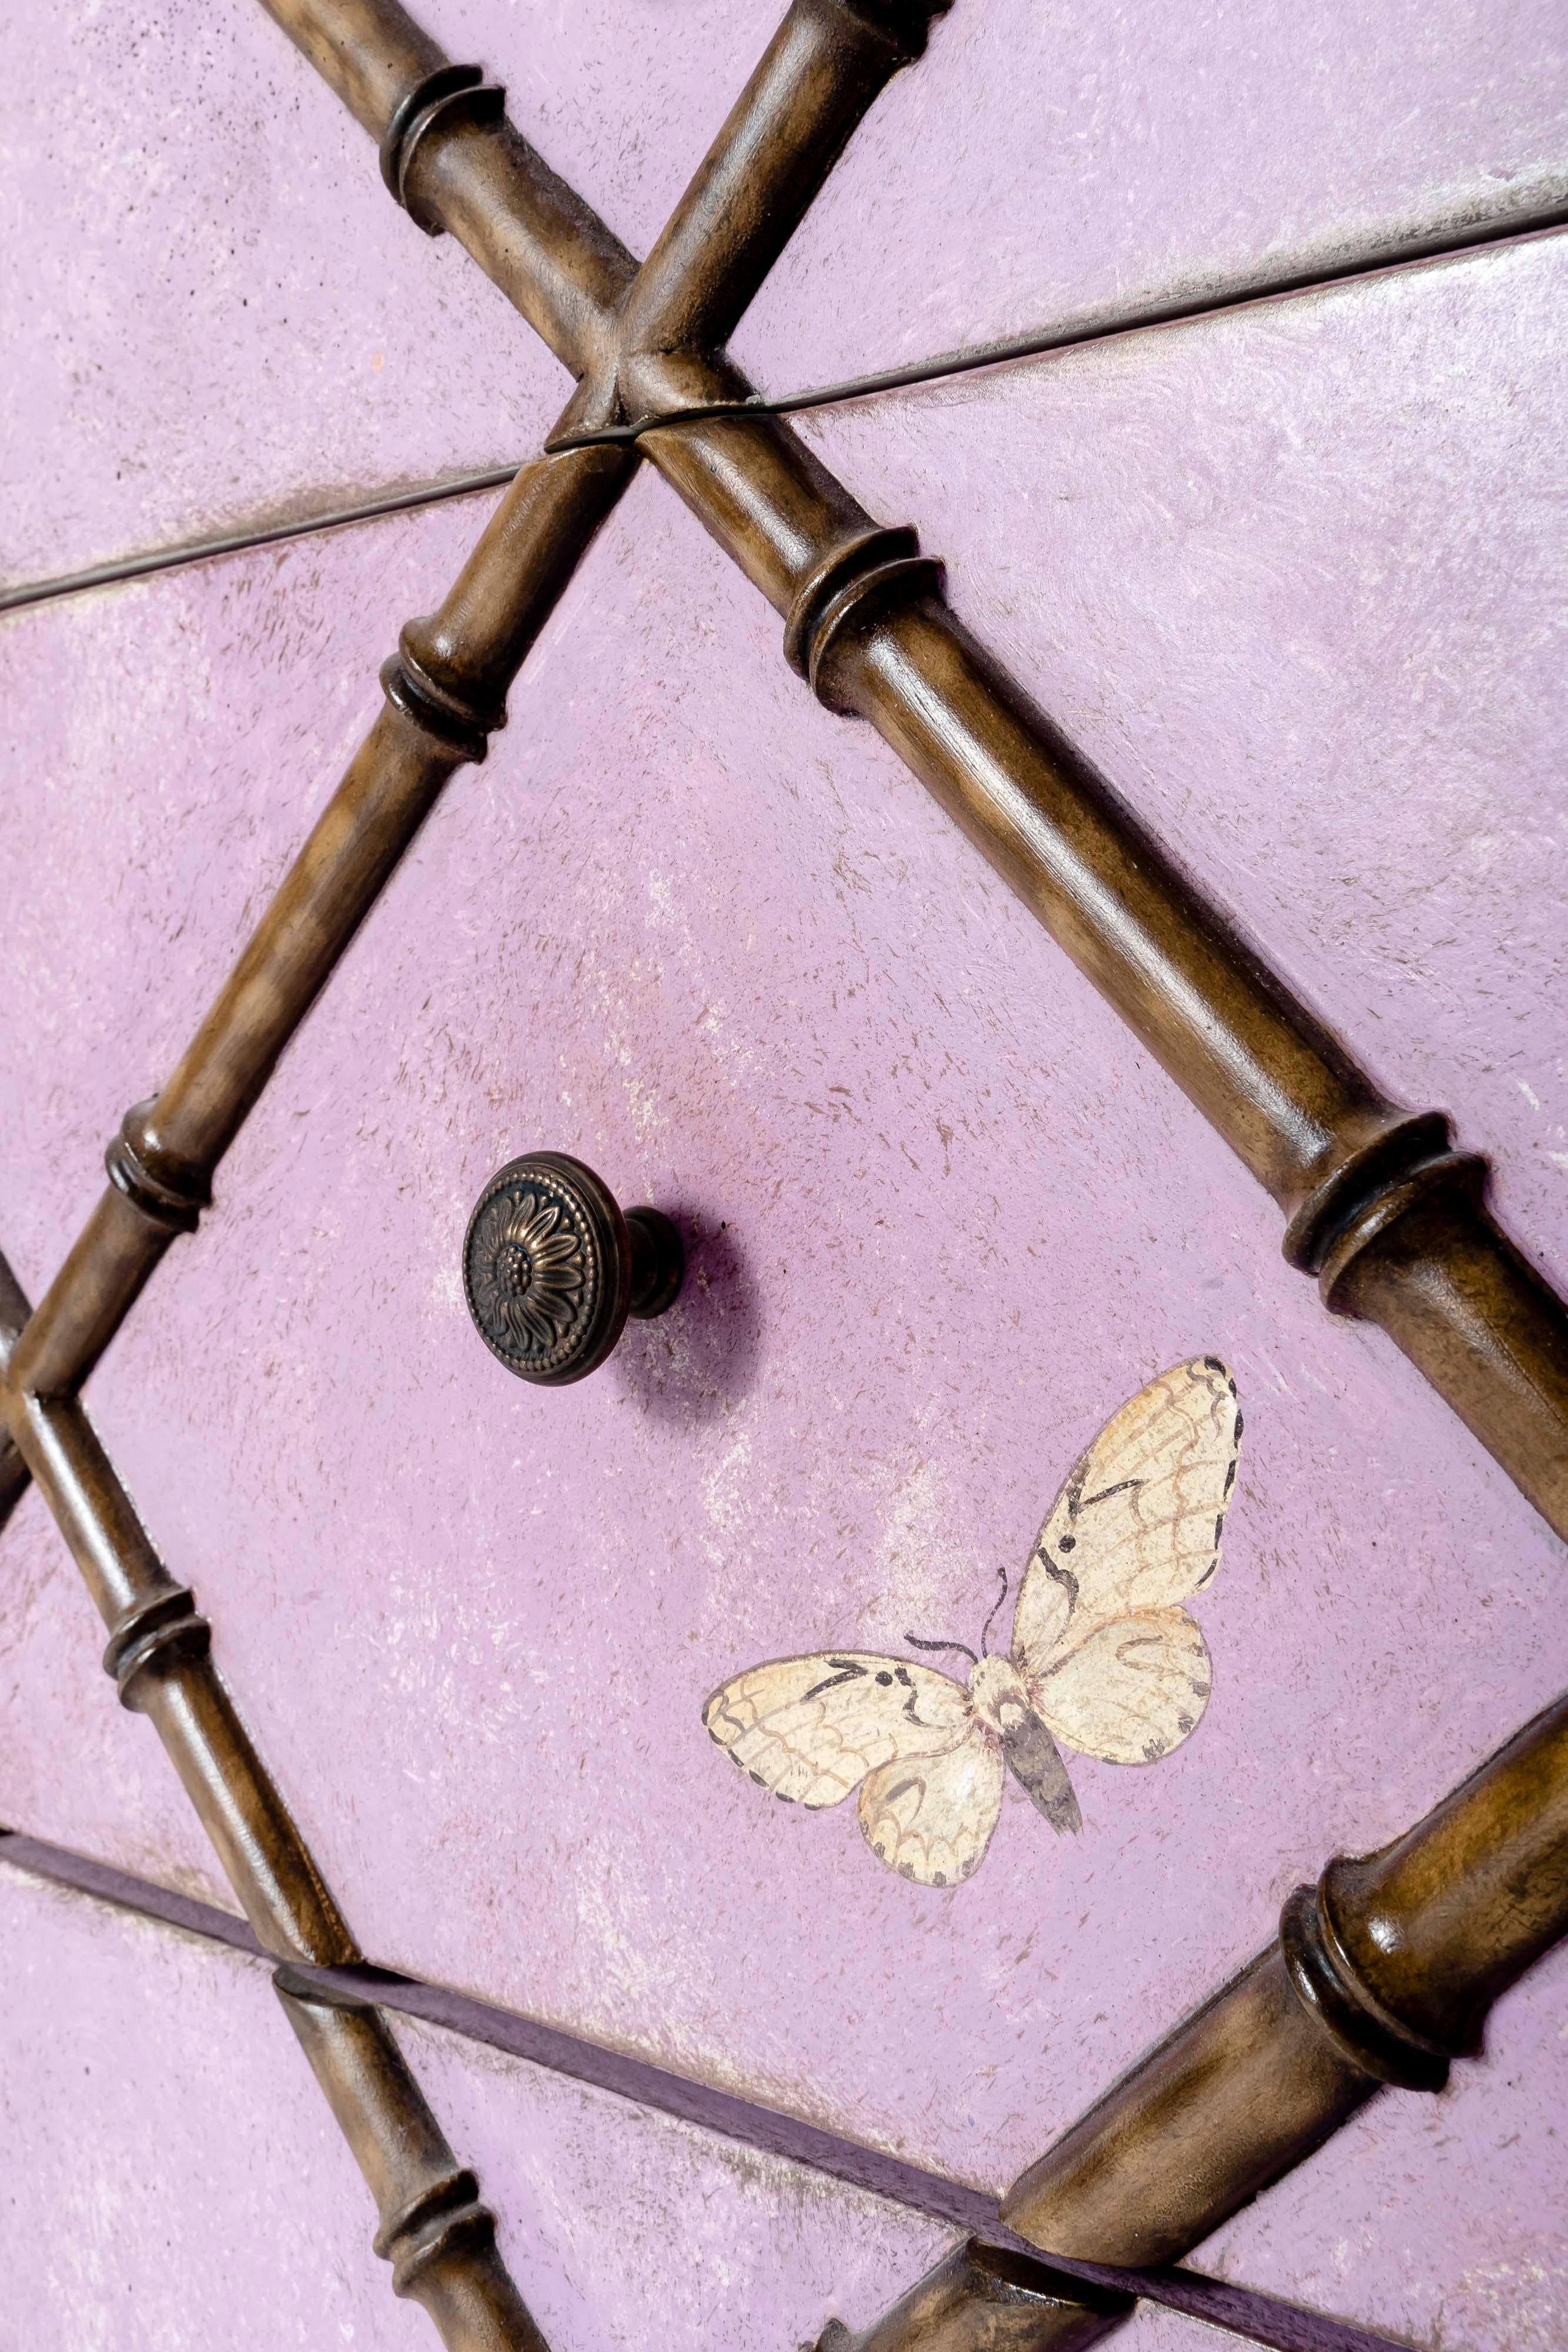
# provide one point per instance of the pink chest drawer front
(217, 321)
(1280, 573)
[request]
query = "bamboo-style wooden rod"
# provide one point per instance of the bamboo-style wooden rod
(445, 691)
(982, 2298)
(450, 678)
(817, 77)
(160, 1654)
(996, 2254)
(442, 2245)
(1379, 1206)
(434, 2231)
(1382, 1975)
(14, 1475)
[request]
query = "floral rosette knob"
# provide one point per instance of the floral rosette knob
(552, 1268)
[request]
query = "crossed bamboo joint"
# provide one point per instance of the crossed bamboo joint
(1385, 1972)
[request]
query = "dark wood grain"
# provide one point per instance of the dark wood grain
(817, 77)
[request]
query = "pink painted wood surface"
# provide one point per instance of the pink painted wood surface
(173, 2180)
(943, 1219)
(1042, 163)
(182, 2183)
(1285, 575)
(214, 315)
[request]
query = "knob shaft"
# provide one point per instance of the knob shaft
(551, 1267)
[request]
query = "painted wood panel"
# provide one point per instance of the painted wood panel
(216, 317)
(1283, 574)
(184, 2184)
(1057, 165)
(942, 1221)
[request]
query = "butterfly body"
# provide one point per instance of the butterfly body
(1103, 1657)
(1005, 1713)
(997, 1696)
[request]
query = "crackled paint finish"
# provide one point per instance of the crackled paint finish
(185, 2185)
(213, 315)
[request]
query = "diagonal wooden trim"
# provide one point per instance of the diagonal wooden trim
(816, 79)
(445, 691)
(159, 1655)
(994, 2252)
(438, 2237)
(1379, 1206)
(14, 1475)
(160, 1651)
(1382, 1975)
(1104, 325)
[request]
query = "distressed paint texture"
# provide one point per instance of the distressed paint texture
(186, 2185)
(942, 1217)
(173, 2181)
(1439, 2221)
(1043, 162)
(214, 315)
(1293, 577)
(1283, 575)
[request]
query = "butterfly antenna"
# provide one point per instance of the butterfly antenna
(992, 1618)
(915, 1643)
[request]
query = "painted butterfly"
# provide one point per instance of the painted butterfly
(1103, 1657)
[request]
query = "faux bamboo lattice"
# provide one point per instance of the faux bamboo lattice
(1379, 1206)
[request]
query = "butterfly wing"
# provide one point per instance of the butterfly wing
(808, 1728)
(1131, 1691)
(930, 1818)
(1138, 1522)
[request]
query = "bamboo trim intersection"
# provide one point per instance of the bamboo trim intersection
(1262, 2318)
(1108, 324)
(1379, 1205)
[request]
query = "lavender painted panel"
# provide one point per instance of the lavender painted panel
(212, 314)
(143, 835)
(173, 2180)
(1043, 164)
(74, 1766)
(1050, 166)
(174, 2177)
(1293, 578)
(946, 1218)
(1437, 2219)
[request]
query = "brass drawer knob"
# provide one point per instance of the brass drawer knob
(551, 1268)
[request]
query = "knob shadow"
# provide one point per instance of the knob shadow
(701, 1356)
